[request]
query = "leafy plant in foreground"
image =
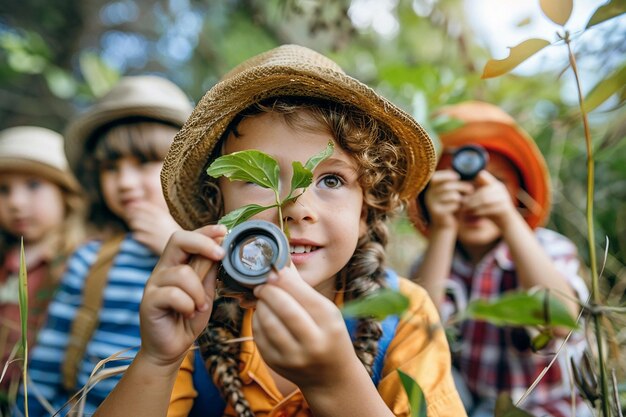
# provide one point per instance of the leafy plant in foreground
(559, 11)
(261, 169)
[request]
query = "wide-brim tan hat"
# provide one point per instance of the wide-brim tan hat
(142, 96)
(38, 151)
(489, 126)
(289, 70)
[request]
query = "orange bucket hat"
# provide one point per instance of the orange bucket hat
(489, 126)
(289, 70)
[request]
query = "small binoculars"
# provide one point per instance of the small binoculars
(253, 249)
(469, 160)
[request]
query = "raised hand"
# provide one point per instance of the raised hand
(179, 295)
(444, 197)
(300, 333)
(491, 200)
(151, 225)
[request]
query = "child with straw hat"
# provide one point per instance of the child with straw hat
(116, 148)
(41, 204)
(292, 354)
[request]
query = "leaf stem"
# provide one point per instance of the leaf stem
(280, 210)
(595, 292)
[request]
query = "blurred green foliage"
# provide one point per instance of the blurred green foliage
(56, 58)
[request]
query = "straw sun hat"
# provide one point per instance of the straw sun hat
(143, 96)
(289, 70)
(492, 128)
(38, 151)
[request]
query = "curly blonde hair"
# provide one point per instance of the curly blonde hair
(381, 168)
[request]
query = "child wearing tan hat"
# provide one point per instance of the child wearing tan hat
(41, 203)
(292, 354)
(116, 148)
(485, 238)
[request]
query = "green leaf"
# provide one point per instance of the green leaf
(518, 54)
(417, 402)
(522, 309)
(540, 341)
(506, 408)
(558, 11)
(303, 175)
(601, 92)
(378, 305)
(607, 11)
(23, 305)
(315, 160)
(249, 165)
(444, 124)
(60, 82)
(242, 214)
(99, 76)
(23, 294)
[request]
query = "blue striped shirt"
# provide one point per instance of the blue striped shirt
(118, 327)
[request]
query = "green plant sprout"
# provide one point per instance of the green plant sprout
(261, 169)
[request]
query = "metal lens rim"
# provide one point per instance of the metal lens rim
(238, 234)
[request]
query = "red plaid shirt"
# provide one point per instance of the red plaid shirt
(493, 359)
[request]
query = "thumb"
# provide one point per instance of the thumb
(484, 177)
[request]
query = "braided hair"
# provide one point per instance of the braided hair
(381, 167)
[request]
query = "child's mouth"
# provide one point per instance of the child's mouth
(297, 249)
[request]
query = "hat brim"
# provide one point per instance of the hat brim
(79, 136)
(183, 166)
(50, 173)
(516, 145)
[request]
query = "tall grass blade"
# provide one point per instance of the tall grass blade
(23, 302)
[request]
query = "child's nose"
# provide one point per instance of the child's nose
(129, 175)
(18, 196)
(302, 209)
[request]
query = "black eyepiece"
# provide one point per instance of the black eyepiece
(469, 160)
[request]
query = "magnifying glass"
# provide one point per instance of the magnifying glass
(253, 248)
(469, 160)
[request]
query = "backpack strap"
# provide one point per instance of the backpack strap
(388, 325)
(209, 402)
(86, 319)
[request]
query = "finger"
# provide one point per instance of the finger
(484, 177)
(270, 333)
(173, 299)
(182, 244)
(444, 175)
(185, 278)
(289, 280)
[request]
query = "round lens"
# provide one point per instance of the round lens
(469, 161)
(255, 254)
(253, 248)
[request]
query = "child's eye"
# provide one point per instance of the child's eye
(108, 166)
(33, 184)
(4, 189)
(331, 181)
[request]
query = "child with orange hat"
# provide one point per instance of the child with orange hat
(41, 204)
(485, 238)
